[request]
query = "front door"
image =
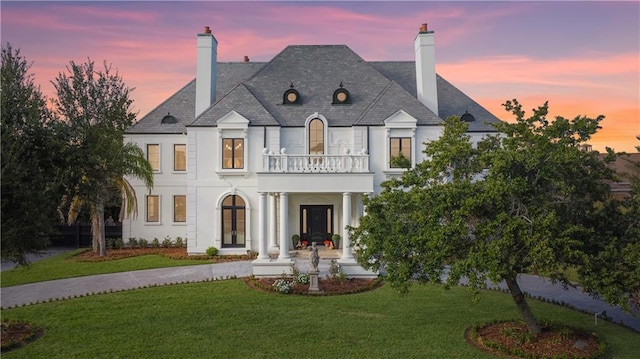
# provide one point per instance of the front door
(233, 222)
(316, 223)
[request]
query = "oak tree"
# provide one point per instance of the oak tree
(32, 159)
(524, 201)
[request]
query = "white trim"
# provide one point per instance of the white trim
(217, 222)
(399, 125)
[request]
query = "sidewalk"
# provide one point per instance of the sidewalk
(65, 288)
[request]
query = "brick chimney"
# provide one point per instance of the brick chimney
(206, 70)
(427, 89)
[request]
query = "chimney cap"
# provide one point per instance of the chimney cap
(424, 29)
(207, 30)
(246, 58)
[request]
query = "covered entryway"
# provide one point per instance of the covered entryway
(316, 223)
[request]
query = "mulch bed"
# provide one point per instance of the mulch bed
(511, 339)
(18, 333)
(328, 286)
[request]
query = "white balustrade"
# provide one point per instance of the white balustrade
(316, 163)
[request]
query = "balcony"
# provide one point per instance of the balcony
(285, 163)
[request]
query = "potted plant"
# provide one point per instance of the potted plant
(336, 240)
(296, 241)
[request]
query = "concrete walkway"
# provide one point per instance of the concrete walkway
(72, 287)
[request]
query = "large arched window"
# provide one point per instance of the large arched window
(316, 137)
(233, 222)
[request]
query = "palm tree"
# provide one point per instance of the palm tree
(96, 107)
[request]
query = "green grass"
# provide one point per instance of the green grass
(61, 266)
(227, 319)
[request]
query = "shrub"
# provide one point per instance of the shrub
(179, 242)
(212, 251)
(118, 243)
(166, 243)
(143, 243)
(282, 285)
(155, 243)
(302, 278)
(335, 272)
(133, 242)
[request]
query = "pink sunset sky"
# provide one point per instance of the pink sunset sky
(583, 57)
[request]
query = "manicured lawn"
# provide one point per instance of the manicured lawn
(61, 266)
(227, 319)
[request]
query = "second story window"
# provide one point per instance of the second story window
(179, 157)
(316, 137)
(153, 156)
(400, 147)
(232, 153)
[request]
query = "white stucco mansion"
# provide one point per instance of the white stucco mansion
(248, 154)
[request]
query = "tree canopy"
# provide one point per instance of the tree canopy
(96, 106)
(32, 160)
(528, 200)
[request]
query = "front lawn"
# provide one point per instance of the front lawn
(227, 319)
(66, 265)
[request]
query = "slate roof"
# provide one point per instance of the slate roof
(451, 101)
(255, 90)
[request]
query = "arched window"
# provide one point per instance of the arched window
(233, 222)
(316, 137)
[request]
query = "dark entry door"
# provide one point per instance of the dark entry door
(316, 223)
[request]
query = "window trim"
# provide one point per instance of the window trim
(400, 124)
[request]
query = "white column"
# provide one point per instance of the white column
(347, 253)
(284, 226)
(273, 223)
(262, 226)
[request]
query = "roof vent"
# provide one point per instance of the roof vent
(169, 119)
(467, 117)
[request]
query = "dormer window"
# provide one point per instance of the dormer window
(169, 119)
(467, 117)
(291, 96)
(341, 96)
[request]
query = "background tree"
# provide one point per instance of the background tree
(96, 106)
(522, 202)
(612, 266)
(32, 157)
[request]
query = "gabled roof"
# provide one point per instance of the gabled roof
(182, 104)
(241, 100)
(255, 90)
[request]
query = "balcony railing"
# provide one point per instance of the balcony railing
(315, 163)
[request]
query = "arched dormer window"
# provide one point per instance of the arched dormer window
(467, 117)
(291, 96)
(341, 96)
